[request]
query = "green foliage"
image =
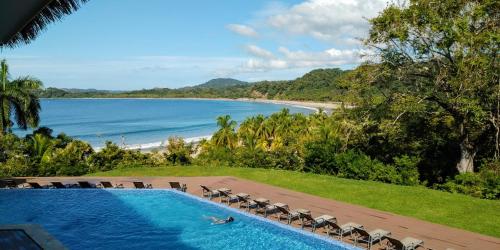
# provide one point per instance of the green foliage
(107, 158)
(441, 59)
(485, 184)
(112, 156)
(225, 136)
(320, 157)
(316, 143)
(178, 152)
(407, 167)
(67, 161)
(18, 100)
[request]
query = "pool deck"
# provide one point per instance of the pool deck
(435, 236)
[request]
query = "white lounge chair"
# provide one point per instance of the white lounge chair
(371, 237)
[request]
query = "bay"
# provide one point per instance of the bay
(144, 123)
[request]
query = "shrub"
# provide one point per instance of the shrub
(407, 167)
(320, 157)
(69, 161)
(178, 152)
(467, 183)
(485, 184)
(107, 158)
(353, 165)
(256, 158)
(215, 155)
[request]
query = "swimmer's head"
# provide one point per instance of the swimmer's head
(230, 219)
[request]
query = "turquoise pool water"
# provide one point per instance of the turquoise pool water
(147, 219)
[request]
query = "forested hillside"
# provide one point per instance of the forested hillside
(317, 85)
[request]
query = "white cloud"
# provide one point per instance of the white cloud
(258, 51)
(336, 21)
(243, 30)
(288, 59)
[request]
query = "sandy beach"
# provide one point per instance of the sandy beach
(328, 106)
(300, 104)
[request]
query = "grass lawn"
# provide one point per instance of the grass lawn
(455, 210)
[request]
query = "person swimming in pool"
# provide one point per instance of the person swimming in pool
(218, 221)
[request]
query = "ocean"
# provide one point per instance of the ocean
(144, 123)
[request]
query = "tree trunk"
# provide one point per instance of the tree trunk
(467, 154)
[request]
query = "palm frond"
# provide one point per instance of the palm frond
(26, 82)
(53, 11)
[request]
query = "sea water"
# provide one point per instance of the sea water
(143, 123)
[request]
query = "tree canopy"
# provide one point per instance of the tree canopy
(440, 59)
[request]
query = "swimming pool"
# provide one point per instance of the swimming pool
(147, 219)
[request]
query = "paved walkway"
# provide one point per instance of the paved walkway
(435, 236)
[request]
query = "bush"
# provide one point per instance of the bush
(467, 183)
(407, 167)
(353, 165)
(320, 157)
(485, 184)
(178, 152)
(112, 156)
(214, 155)
(68, 161)
(256, 158)
(107, 158)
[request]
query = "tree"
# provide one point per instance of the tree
(178, 152)
(18, 99)
(225, 136)
(444, 57)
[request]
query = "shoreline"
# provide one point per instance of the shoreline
(328, 106)
(160, 145)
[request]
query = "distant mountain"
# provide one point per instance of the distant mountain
(219, 83)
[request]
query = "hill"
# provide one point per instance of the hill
(221, 83)
(317, 85)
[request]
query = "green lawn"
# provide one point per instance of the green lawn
(460, 211)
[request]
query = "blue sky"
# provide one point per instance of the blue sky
(132, 44)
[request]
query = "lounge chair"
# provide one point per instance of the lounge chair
(315, 223)
(371, 237)
(264, 208)
(35, 185)
(85, 184)
(227, 197)
(407, 243)
(107, 184)
(58, 184)
(177, 185)
(245, 202)
(9, 183)
(286, 214)
(342, 230)
(206, 192)
(140, 184)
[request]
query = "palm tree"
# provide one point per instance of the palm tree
(19, 100)
(42, 146)
(225, 136)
